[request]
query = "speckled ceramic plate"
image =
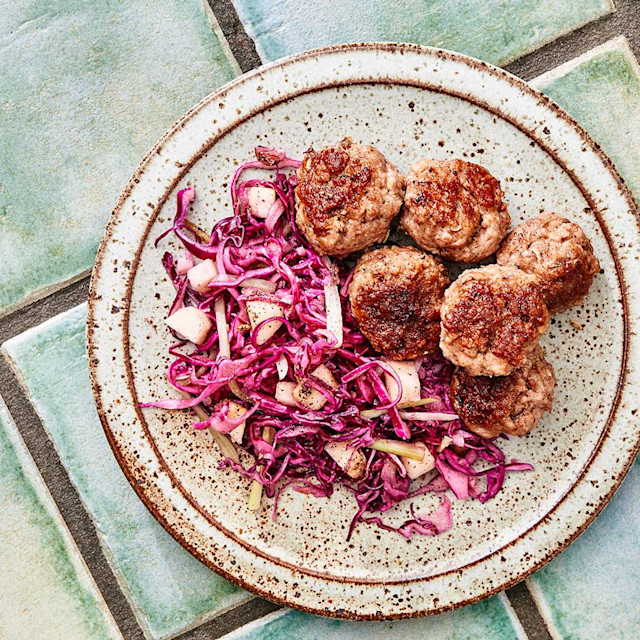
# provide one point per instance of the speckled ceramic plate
(410, 102)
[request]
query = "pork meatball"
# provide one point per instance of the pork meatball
(512, 404)
(454, 209)
(346, 197)
(558, 252)
(492, 318)
(395, 296)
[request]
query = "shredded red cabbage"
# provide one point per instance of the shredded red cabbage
(272, 250)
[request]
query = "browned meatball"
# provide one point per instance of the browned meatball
(395, 296)
(558, 252)
(492, 318)
(455, 209)
(512, 404)
(346, 197)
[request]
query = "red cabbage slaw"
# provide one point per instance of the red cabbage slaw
(230, 379)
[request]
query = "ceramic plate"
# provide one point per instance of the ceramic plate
(409, 102)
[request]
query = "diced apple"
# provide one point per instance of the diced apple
(351, 461)
(282, 367)
(234, 412)
(417, 468)
(408, 374)
(310, 397)
(183, 265)
(200, 275)
(444, 443)
(260, 200)
(284, 393)
(261, 310)
(191, 323)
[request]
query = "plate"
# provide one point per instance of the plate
(408, 101)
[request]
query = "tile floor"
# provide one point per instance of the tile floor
(86, 91)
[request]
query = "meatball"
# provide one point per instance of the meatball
(558, 252)
(492, 318)
(513, 404)
(454, 209)
(395, 296)
(346, 198)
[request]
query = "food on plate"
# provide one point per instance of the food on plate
(558, 252)
(190, 323)
(395, 296)
(454, 209)
(492, 318)
(277, 366)
(513, 404)
(346, 198)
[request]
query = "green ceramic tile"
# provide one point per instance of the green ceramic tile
(488, 620)
(46, 591)
(169, 589)
(591, 589)
(601, 90)
(497, 31)
(87, 88)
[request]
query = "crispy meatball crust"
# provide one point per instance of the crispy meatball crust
(454, 209)
(492, 318)
(512, 404)
(395, 296)
(346, 197)
(558, 252)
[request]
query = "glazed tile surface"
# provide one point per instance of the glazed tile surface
(86, 91)
(170, 590)
(590, 591)
(601, 90)
(493, 30)
(488, 619)
(46, 590)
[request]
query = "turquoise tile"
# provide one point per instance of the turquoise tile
(46, 591)
(487, 620)
(87, 88)
(497, 31)
(601, 90)
(169, 589)
(591, 589)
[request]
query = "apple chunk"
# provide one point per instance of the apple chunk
(200, 275)
(308, 396)
(284, 393)
(235, 411)
(191, 323)
(351, 461)
(260, 200)
(417, 468)
(406, 370)
(261, 310)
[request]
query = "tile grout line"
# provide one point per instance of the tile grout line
(63, 298)
(215, 26)
(43, 293)
(582, 40)
(256, 624)
(513, 616)
(232, 619)
(32, 475)
(66, 499)
(242, 46)
(524, 607)
(43, 309)
(543, 607)
(619, 42)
